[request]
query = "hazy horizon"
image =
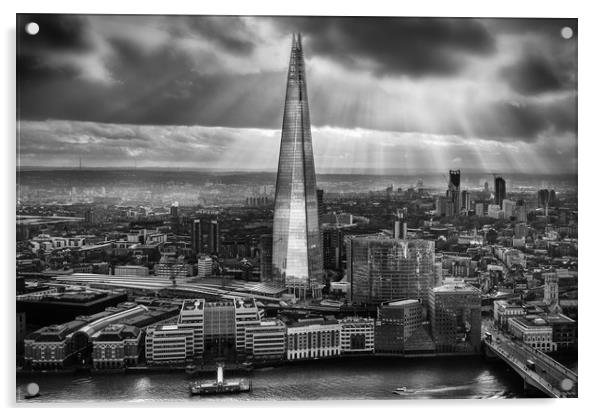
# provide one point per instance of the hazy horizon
(437, 172)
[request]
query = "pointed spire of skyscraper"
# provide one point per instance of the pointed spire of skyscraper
(297, 248)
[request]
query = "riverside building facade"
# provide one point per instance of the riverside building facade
(266, 341)
(316, 338)
(455, 315)
(117, 346)
(169, 344)
(357, 335)
(397, 321)
(192, 316)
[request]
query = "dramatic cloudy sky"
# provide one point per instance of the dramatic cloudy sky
(407, 94)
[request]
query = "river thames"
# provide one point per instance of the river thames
(360, 378)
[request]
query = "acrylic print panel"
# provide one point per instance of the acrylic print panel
(295, 208)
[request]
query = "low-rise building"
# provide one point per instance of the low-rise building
(55, 345)
(192, 316)
(246, 314)
(205, 266)
(564, 331)
(169, 344)
(315, 338)
(455, 315)
(396, 322)
(131, 270)
(533, 331)
(169, 269)
(117, 346)
(504, 310)
(357, 335)
(50, 347)
(266, 340)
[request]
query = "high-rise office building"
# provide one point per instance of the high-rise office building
(500, 190)
(543, 197)
(297, 247)
(520, 211)
(455, 315)
(205, 236)
(508, 206)
(332, 243)
(175, 219)
(396, 323)
(320, 194)
(466, 200)
(440, 205)
(453, 191)
(265, 257)
(384, 269)
(479, 209)
(546, 198)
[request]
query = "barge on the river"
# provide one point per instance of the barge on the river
(220, 386)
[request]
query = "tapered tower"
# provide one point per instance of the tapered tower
(297, 252)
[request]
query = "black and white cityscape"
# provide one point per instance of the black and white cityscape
(218, 208)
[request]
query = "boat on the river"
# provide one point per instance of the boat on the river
(401, 390)
(220, 386)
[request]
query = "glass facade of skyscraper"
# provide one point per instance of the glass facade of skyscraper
(297, 253)
(385, 269)
(500, 190)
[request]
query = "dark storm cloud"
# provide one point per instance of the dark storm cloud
(211, 71)
(159, 87)
(532, 75)
(549, 27)
(525, 121)
(410, 46)
(57, 32)
(229, 32)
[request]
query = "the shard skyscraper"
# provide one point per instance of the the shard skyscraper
(297, 248)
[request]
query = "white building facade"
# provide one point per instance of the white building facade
(313, 339)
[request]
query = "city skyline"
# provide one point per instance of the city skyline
(215, 99)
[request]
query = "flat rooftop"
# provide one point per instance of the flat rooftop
(313, 322)
(559, 318)
(401, 302)
(456, 288)
(271, 322)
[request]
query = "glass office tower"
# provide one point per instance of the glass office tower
(297, 253)
(382, 269)
(500, 190)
